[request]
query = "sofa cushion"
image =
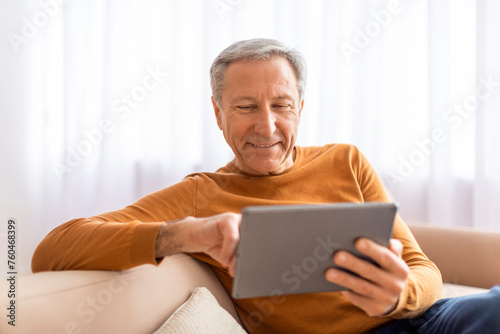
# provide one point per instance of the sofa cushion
(200, 314)
(133, 301)
(455, 290)
(464, 256)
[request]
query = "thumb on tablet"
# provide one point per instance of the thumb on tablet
(396, 247)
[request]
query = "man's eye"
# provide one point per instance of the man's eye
(245, 107)
(282, 106)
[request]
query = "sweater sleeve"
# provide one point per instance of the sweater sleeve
(115, 240)
(424, 284)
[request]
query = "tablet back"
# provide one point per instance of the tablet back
(286, 249)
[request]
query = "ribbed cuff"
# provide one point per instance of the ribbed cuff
(144, 242)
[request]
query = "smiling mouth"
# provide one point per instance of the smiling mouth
(263, 146)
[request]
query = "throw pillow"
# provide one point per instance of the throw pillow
(201, 313)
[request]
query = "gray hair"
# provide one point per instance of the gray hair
(252, 50)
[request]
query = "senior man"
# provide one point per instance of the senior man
(258, 95)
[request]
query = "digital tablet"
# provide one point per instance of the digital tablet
(285, 249)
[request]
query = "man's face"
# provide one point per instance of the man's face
(260, 114)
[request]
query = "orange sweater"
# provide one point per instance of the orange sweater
(334, 173)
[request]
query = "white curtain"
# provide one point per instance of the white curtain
(106, 101)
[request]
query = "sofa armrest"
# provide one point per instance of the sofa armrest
(464, 256)
(137, 300)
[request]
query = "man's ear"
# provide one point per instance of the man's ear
(301, 107)
(217, 113)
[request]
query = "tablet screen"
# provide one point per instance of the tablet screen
(286, 249)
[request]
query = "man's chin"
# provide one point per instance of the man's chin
(263, 167)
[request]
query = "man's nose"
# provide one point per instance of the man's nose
(265, 123)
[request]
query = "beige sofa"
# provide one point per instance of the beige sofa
(140, 300)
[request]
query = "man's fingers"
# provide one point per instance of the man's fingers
(223, 238)
(217, 236)
(230, 238)
(385, 258)
(358, 285)
(368, 271)
(232, 265)
(371, 307)
(377, 288)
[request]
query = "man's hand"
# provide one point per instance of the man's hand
(216, 236)
(377, 289)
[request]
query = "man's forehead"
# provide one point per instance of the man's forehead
(276, 63)
(248, 97)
